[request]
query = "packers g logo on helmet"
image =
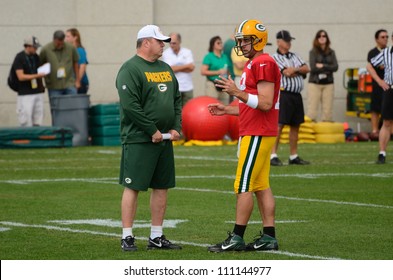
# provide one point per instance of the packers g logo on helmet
(254, 30)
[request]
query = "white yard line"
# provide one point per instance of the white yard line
(296, 198)
(113, 181)
(48, 227)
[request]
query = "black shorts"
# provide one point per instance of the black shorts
(291, 108)
(376, 99)
(387, 105)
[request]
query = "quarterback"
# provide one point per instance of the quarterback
(258, 126)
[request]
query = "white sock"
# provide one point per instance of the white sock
(155, 231)
(127, 232)
(292, 157)
(382, 153)
(273, 156)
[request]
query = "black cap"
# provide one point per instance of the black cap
(59, 35)
(285, 35)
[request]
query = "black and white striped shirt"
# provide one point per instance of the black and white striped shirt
(385, 57)
(293, 84)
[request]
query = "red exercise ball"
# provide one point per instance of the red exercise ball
(234, 123)
(199, 124)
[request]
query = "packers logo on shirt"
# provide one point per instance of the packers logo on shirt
(162, 87)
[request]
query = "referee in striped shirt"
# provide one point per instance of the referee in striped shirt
(385, 58)
(293, 72)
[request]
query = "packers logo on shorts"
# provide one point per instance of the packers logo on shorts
(128, 180)
(162, 87)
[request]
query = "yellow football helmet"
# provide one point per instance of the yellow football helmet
(251, 29)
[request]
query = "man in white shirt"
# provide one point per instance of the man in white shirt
(182, 63)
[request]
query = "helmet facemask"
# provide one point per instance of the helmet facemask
(239, 47)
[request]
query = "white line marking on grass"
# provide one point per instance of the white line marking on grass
(277, 222)
(117, 224)
(107, 152)
(296, 198)
(285, 253)
(322, 175)
(114, 182)
(15, 224)
(206, 177)
(87, 180)
(206, 158)
(4, 229)
(115, 179)
(336, 202)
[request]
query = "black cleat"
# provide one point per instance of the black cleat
(128, 244)
(298, 161)
(263, 242)
(232, 243)
(381, 159)
(275, 161)
(161, 243)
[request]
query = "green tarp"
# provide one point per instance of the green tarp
(35, 137)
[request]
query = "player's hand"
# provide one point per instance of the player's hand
(226, 84)
(216, 109)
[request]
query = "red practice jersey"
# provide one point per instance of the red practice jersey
(254, 121)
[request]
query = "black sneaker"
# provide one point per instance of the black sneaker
(381, 159)
(298, 161)
(263, 242)
(275, 161)
(162, 243)
(233, 243)
(128, 244)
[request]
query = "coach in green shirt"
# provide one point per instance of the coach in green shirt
(150, 112)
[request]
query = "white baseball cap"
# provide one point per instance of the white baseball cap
(152, 31)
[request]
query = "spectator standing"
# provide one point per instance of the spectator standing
(323, 63)
(258, 117)
(30, 103)
(150, 105)
(63, 58)
(294, 71)
(215, 63)
(74, 38)
(385, 57)
(381, 40)
(181, 61)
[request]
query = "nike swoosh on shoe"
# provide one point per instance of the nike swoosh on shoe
(257, 246)
(158, 245)
(227, 247)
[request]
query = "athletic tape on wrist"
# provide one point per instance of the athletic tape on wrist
(252, 101)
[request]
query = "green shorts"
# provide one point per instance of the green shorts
(147, 165)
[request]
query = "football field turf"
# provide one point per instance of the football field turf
(65, 204)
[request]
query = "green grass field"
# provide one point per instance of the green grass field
(65, 204)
